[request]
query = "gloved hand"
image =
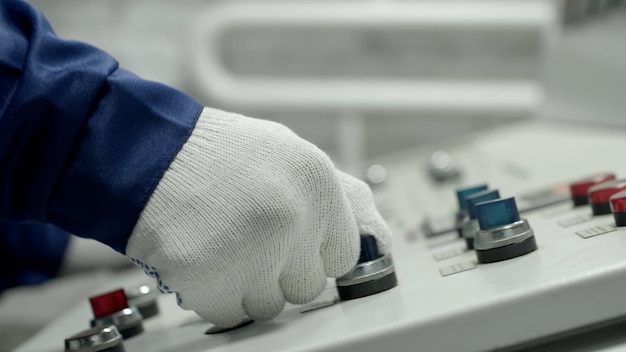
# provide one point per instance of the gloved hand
(249, 216)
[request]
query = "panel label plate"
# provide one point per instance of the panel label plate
(457, 268)
(596, 231)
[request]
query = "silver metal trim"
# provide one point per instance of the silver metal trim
(367, 271)
(141, 296)
(469, 228)
(443, 166)
(503, 235)
(123, 319)
(94, 339)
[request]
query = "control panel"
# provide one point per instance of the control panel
(522, 244)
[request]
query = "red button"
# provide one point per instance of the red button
(108, 303)
(618, 202)
(618, 207)
(579, 189)
(599, 195)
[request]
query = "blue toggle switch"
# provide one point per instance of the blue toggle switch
(480, 197)
(496, 213)
(461, 194)
(369, 249)
(373, 273)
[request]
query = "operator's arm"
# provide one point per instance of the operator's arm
(236, 215)
(83, 143)
(31, 253)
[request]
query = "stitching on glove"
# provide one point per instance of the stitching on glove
(153, 272)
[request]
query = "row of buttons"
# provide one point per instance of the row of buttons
(118, 315)
(604, 192)
(492, 226)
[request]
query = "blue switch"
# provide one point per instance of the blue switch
(461, 194)
(496, 213)
(369, 249)
(480, 197)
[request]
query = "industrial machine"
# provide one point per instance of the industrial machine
(544, 270)
(569, 281)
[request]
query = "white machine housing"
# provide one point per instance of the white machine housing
(445, 300)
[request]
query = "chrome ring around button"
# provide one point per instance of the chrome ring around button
(367, 271)
(503, 235)
(469, 228)
(123, 319)
(94, 339)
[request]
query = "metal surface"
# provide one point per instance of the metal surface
(94, 339)
(123, 319)
(367, 271)
(502, 236)
(469, 228)
(141, 295)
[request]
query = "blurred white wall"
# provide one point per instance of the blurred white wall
(149, 37)
(146, 36)
(586, 71)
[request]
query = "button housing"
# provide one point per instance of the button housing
(98, 339)
(579, 188)
(503, 234)
(373, 273)
(470, 226)
(618, 207)
(600, 194)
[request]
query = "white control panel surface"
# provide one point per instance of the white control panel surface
(445, 299)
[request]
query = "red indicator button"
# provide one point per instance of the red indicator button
(600, 194)
(579, 189)
(618, 207)
(618, 202)
(108, 303)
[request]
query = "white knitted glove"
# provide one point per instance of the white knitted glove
(249, 215)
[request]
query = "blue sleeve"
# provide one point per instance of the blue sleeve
(31, 253)
(83, 143)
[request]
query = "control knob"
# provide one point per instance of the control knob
(470, 226)
(373, 273)
(600, 194)
(502, 234)
(462, 215)
(112, 309)
(145, 299)
(99, 339)
(618, 207)
(443, 167)
(579, 189)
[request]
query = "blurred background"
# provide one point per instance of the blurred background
(360, 79)
(366, 78)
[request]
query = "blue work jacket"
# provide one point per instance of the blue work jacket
(83, 142)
